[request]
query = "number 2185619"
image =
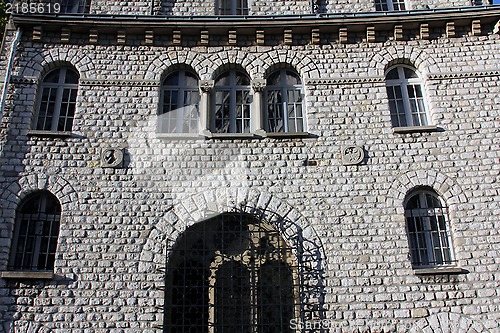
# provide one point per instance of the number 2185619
(32, 8)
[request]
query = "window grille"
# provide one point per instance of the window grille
(284, 102)
(57, 100)
(406, 97)
(180, 103)
(235, 273)
(232, 7)
(231, 103)
(36, 233)
(426, 223)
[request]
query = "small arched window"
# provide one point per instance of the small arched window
(179, 109)
(57, 100)
(231, 103)
(427, 228)
(36, 233)
(75, 6)
(231, 7)
(284, 102)
(406, 97)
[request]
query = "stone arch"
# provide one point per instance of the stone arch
(445, 187)
(292, 226)
(304, 65)
(402, 54)
(44, 61)
(446, 322)
(161, 63)
(221, 60)
(15, 192)
(203, 206)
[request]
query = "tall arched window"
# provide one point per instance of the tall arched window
(232, 7)
(179, 110)
(231, 103)
(406, 97)
(284, 102)
(231, 273)
(427, 228)
(57, 100)
(36, 233)
(75, 6)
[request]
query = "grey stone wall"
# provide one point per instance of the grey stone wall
(117, 223)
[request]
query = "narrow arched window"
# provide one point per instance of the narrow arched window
(427, 228)
(57, 100)
(232, 7)
(179, 110)
(284, 102)
(389, 5)
(231, 273)
(36, 233)
(406, 97)
(75, 6)
(231, 103)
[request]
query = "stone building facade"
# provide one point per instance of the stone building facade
(295, 166)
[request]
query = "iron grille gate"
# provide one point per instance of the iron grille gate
(233, 273)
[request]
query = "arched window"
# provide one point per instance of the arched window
(231, 7)
(231, 100)
(406, 97)
(284, 102)
(57, 100)
(75, 6)
(36, 232)
(427, 228)
(389, 5)
(179, 110)
(231, 273)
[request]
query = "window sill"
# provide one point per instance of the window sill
(415, 129)
(439, 271)
(179, 136)
(52, 134)
(27, 275)
(286, 134)
(211, 135)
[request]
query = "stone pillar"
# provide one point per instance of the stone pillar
(206, 87)
(258, 86)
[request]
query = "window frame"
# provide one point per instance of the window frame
(40, 218)
(404, 84)
(233, 10)
(60, 87)
(422, 241)
(391, 5)
(231, 92)
(284, 89)
(182, 90)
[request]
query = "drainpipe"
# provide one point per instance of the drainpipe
(8, 70)
(152, 7)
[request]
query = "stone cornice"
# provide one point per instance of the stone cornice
(93, 21)
(345, 81)
(462, 75)
(119, 83)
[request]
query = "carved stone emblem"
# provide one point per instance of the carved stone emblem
(352, 155)
(111, 157)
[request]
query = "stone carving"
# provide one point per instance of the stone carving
(111, 157)
(352, 155)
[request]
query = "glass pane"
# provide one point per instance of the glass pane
(223, 80)
(52, 77)
(71, 76)
(409, 73)
(393, 74)
(172, 79)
